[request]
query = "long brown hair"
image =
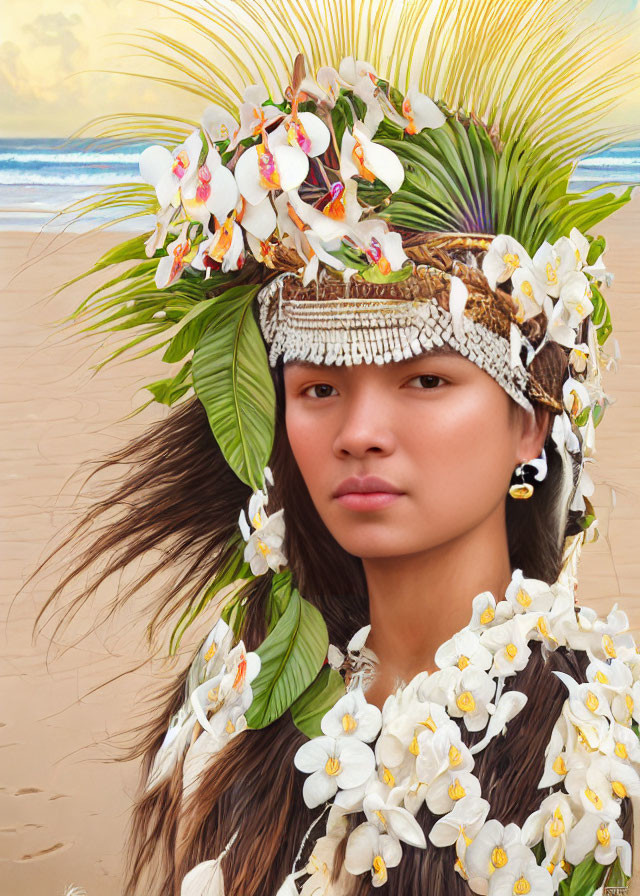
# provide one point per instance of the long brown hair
(180, 496)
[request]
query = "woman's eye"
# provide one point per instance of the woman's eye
(428, 380)
(324, 390)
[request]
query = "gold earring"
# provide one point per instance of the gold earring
(520, 489)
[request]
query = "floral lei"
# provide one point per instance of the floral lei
(387, 763)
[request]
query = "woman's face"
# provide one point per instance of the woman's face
(436, 428)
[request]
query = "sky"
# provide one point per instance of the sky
(47, 49)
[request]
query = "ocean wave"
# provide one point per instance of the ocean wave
(81, 179)
(65, 158)
(609, 162)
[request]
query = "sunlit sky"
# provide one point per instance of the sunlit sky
(48, 48)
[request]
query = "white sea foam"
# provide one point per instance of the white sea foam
(79, 178)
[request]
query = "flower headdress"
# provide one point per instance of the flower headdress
(365, 184)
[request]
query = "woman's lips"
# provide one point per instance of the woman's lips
(367, 500)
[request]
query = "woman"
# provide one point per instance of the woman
(398, 335)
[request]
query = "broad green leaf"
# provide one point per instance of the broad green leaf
(584, 880)
(194, 323)
(316, 701)
(279, 597)
(233, 381)
(292, 655)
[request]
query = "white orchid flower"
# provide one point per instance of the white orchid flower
(264, 548)
(173, 746)
(361, 157)
(578, 357)
(254, 116)
(590, 787)
(218, 123)
(486, 612)
(529, 294)
(381, 246)
(332, 763)
(508, 645)
(369, 850)
(224, 248)
(505, 255)
(623, 743)
(271, 165)
(558, 754)
(472, 694)
(420, 112)
(404, 718)
(554, 627)
(575, 397)
(587, 708)
(462, 650)
(551, 823)
(492, 848)
(575, 296)
(180, 254)
(443, 793)
(462, 823)
(388, 815)
(521, 874)
(352, 716)
(226, 724)
(602, 836)
(229, 689)
(213, 190)
(328, 80)
(546, 266)
(442, 752)
(216, 648)
(563, 435)
(169, 172)
(558, 328)
(276, 163)
(157, 239)
(527, 595)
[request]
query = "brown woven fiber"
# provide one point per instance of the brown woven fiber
(436, 258)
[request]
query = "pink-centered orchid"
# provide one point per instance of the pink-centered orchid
(169, 173)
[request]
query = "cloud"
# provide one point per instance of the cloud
(56, 30)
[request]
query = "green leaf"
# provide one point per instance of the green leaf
(316, 701)
(617, 877)
(233, 381)
(583, 416)
(193, 325)
(279, 597)
(292, 655)
(169, 390)
(584, 880)
(596, 249)
(374, 275)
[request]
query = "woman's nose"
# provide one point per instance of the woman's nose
(365, 425)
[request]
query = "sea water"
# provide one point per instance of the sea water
(41, 177)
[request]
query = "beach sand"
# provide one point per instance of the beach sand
(63, 808)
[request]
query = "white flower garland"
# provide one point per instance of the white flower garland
(419, 756)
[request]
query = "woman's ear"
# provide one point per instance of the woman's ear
(535, 429)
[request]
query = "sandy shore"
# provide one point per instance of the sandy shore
(63, 810)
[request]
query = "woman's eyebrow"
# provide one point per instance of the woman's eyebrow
(437, 350)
